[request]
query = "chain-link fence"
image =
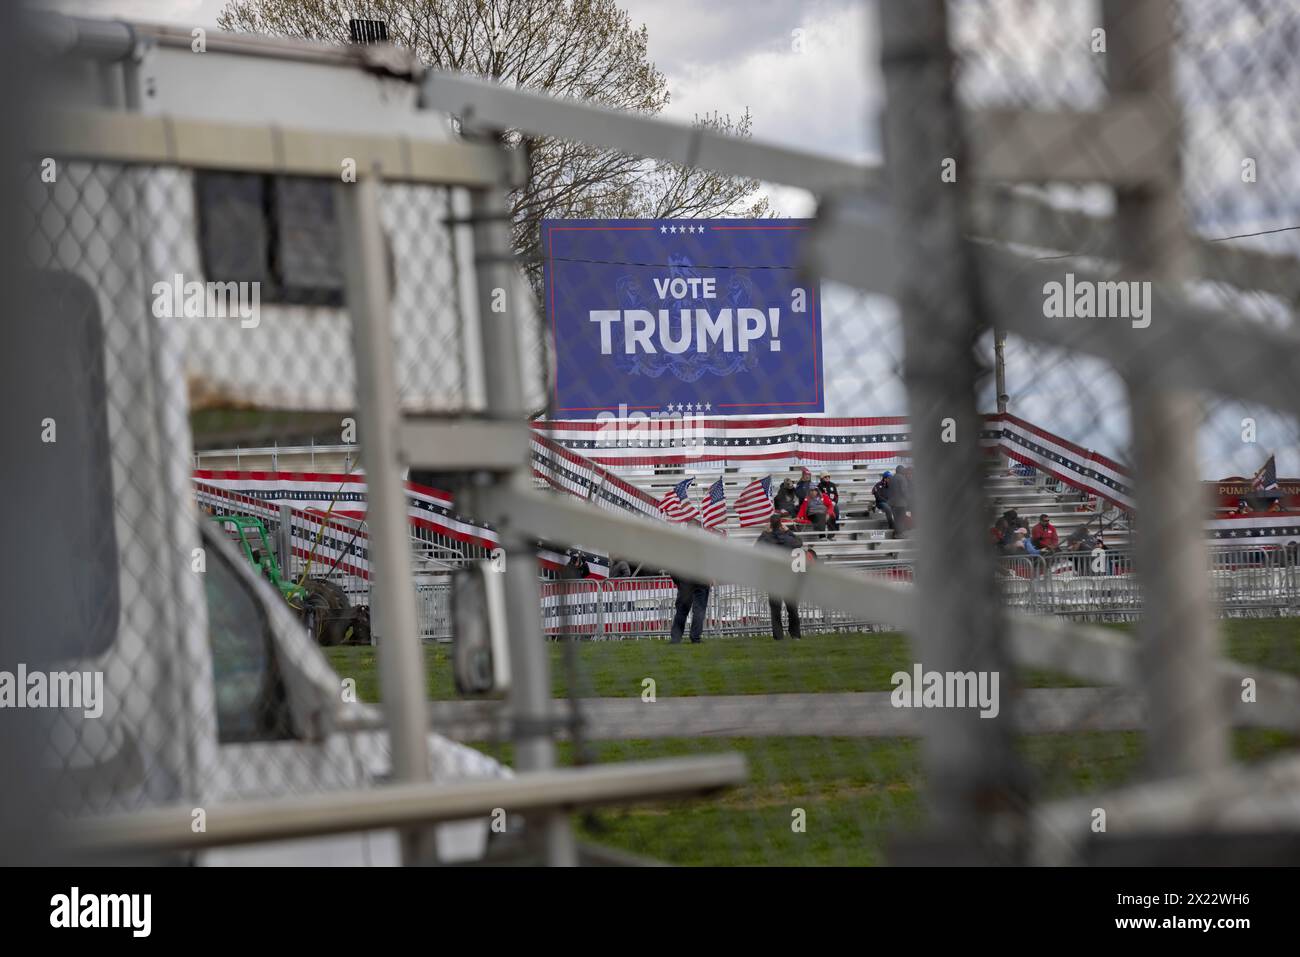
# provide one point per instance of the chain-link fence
(178, 302)
(931, 490)
(857, 784)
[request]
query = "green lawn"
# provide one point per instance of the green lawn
(832, 662)
(757, 665)
(855, 793)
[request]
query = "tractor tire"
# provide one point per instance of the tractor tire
(315, 614)
(335, 615)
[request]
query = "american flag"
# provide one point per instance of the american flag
(675, 505)
(754, 504)
(1266, 478)
(714, 512)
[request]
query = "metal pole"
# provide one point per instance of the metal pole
(1178, 637)
(1000, 369)
(401, 659)
(530, 693)
(284, 540)
(975, 783)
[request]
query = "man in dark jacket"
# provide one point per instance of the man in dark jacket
(829, 488)
(777, 536)
(785, 499)
(692, 600)
(882, 491)
(577, 567)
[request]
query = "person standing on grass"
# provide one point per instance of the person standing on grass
(778, 536)
(692, 600)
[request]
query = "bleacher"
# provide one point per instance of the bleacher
(863, 538)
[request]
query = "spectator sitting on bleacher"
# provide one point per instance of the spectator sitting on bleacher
(785, 500)
(804, 485)
(997, 532)
(1045, 537)
(619, 568)
(829, 489)
(1080, 540)
(817, 510)
(1276, 506)
(1006, 528)
(1016, 543)
(881, 490)
(1243, 508)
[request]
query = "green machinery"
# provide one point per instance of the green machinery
(321, 604)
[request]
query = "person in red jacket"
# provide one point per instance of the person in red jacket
(817, 510)
(1044, 536)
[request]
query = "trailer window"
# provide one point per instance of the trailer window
(58, 477)
(251, 700)
(280, 231)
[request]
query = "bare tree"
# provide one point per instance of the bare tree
(586, 49)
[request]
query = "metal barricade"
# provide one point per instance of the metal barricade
(572, 609)
(433, 610)
(636, 607)
(1247, 581)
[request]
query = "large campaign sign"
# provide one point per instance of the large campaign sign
(691, 317)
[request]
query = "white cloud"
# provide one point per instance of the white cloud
(819, 99)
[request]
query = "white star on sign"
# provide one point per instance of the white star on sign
(663, 229)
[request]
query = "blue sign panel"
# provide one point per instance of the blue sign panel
(704, 317)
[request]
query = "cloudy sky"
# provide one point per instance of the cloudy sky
(805, 69)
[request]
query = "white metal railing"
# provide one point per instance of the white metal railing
(1088, 586)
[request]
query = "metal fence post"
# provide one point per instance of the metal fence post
(971, 763)
(401, 659)
(530, 694)
(1177, 634)
(284, 541)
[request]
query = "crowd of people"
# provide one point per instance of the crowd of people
(805, 503)
(1010, 535)
(818, 505)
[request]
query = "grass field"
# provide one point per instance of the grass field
(854, 792)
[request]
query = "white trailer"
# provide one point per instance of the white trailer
(159, 167)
